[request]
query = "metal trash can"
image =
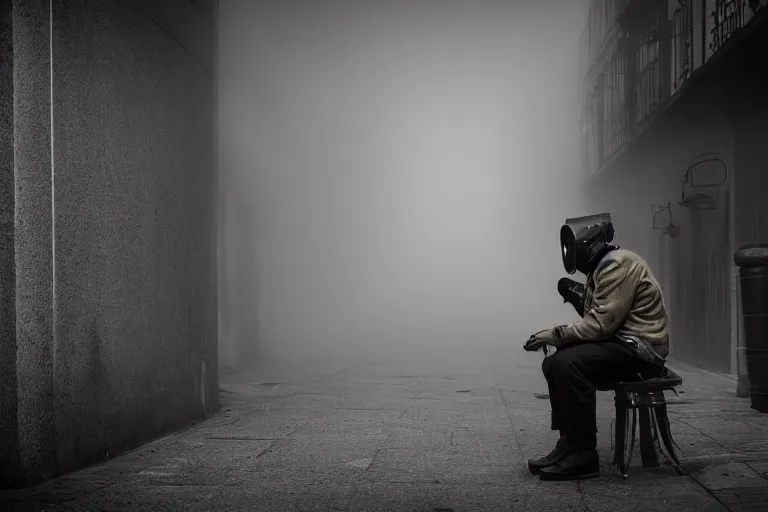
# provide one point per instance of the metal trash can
(752, 260)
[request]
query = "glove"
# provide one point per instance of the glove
(532, 345)
(572, 292)
(536, 342)
(547, 337)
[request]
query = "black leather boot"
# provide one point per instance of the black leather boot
(562, 449)
(578, 465)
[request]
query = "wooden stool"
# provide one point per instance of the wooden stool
(644, 399)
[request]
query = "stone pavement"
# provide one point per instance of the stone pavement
(446, 434)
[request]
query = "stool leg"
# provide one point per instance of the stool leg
(620, 429)
(662, 420)
(630, 447)
(647, 447)
(625, 435)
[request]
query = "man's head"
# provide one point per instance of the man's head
(584, 241)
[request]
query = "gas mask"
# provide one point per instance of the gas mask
(584, 241)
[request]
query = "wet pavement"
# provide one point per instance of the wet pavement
(445, 434)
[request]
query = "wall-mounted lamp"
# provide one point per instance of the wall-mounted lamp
(704, 170)
(662, 220)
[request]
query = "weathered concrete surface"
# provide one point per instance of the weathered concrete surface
(33, 226)
(421, 436)
(111, 196)
(8, 388)
(134, 239)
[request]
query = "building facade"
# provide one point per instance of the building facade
(108, 254)
(666, 84)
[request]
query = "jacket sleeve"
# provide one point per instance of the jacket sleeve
(615, 287)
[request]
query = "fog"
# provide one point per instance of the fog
(394, 174)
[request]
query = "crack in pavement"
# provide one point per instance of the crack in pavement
(706, 489)
(361, 409)
(244, 438)
(721, 445)
(377, 451)
(581, 494)
(72, 498)
(265, 450)
(509, 415)
(187, 484)
(352, 498)
(764, 476)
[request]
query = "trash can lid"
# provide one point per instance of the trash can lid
(754, 254)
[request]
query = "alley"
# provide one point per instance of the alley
(447, 434)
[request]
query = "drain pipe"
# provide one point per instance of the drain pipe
(203, 388)
(737, 320)
(738, 350)
(742, 386)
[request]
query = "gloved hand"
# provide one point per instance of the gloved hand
(540, 340)
(573, 292)
(534, 344)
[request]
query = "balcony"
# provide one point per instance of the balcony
(728, 17)
(648, 53)
(683, 58)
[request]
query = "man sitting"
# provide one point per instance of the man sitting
(622, 336)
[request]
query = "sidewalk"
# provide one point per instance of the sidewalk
(439, 435)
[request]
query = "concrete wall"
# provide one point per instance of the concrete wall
(8, 415)
(751, 180)
(752, 165)
(115, 226)
(695, 268)
(33, 237)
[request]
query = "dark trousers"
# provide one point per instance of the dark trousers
(574, 373)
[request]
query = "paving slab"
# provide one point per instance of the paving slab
(667, 494)
(160, 498)
(746, 499)
(729, 475)
(323, 496)
(417, 435)
(388, 497)
(314, 459)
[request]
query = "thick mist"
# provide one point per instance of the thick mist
(394, 174)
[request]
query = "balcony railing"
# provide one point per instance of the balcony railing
(646, 55)
(652, 75)
(612, 94)
(728, 17)
(631, 83)
(602, 24)
(683, 42)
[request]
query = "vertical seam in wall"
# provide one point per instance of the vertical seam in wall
(734, 274)
(53, 190)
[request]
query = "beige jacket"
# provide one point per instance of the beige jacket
(621, 299)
